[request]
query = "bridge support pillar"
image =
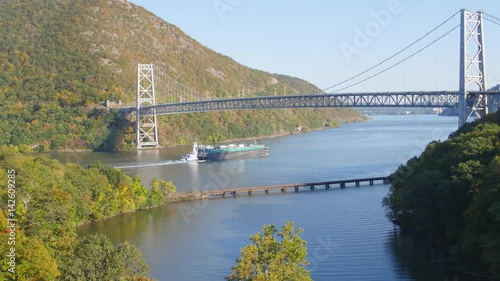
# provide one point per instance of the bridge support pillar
(342, 185)
(146, 126)
(371, 182)
(472, 67)
(296, 189)
(357, 184)
(312, 187)
(327, 186)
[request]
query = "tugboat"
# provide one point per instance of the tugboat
(191, 156)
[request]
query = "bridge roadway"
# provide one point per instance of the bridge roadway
(447, 99)
(311, 185)
(403, 99)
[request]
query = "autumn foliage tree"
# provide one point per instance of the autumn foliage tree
(273, 256)
(96, 258)
(52, 199)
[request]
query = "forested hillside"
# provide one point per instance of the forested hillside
(60, 58)
(48, 200)
(451, 194)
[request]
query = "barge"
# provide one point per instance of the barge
(232, 151)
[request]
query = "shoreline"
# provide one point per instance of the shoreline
(124, 213)
(277, 135)
(194, 195)
(359, 119)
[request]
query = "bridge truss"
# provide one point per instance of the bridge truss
(401, 99)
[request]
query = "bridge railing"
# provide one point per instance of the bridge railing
(402, 99)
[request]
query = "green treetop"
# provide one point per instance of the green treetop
(273, 256)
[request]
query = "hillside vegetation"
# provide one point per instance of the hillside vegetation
(49, 200)
(60, 58)
(451, 194)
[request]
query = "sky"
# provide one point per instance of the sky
(327, 42)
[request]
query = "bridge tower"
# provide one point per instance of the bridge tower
(472, 68)
(146, 126)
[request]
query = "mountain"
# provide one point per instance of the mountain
(59, 59)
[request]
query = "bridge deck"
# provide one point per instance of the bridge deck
(448, 99)
(284, 187)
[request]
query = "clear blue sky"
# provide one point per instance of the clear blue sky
(315, 40)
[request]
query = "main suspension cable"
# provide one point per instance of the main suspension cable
(398, 63)
(391, 57)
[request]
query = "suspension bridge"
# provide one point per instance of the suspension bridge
(475, 102)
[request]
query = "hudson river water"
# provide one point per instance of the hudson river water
(349, 237)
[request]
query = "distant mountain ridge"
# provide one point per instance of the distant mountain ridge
(60, 58)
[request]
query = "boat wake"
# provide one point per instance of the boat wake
(140, 165)
(191, 157)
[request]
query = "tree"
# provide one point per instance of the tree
(127, 262)
(158, 191)
(273, 256)
(35, 261)
(96, 258)
(451, 193)
(32, 259)
(141, 193)
(52, 199)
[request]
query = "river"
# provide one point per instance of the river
(349, 237)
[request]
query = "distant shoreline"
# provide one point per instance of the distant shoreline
(277, 135)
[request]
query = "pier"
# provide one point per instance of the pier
(282, 188)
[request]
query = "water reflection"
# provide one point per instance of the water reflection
(421, 261)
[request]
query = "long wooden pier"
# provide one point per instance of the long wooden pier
(310, 185)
